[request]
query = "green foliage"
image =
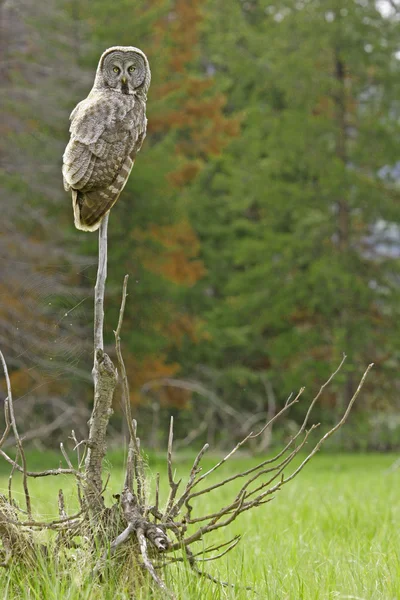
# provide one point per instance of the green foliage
(299, 269)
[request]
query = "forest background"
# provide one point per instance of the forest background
(260, 226)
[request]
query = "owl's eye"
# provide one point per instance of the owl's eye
(131, 69)
(117, 70)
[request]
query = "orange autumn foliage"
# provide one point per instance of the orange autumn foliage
(193, 108)
(29, 380)
(155, 368)
(180, 246)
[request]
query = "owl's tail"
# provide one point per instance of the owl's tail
(91, 207)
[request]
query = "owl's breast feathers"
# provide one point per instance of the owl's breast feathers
(107, 130)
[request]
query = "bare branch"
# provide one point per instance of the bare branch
(192, 563)
(46, 473)
(55, 524)
(10, 478)
(122, 537)
(134, 462)
(8, 422)
(130, 467)
(61, 505)
(148, 564)
(229, 545)
(190, 484)
(99, 289)
(138, 465)
(16, 434)
(105, 380)
(335, 428)
(126, 404)
(172, 484)
(249, 496)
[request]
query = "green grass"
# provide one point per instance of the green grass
(332, 533)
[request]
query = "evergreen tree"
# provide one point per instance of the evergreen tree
(298, 258)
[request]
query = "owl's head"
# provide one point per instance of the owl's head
(124, 69)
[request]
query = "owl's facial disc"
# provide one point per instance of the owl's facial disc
(124, 71)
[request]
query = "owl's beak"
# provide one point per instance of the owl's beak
(124, 80)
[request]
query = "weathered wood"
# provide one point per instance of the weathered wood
(105, 381)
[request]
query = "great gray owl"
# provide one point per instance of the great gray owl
(107, 131)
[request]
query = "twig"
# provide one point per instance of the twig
(251, 435)
(289, 403)
(16, 435)
(130, 467)
(248, 498)
(134, 462)
(148, 564)
(124, 379)
(76, 447)
(334, 429)
(154, 510)
(138, 466)
(193, 473)
(65, 455)
(173, 486)
(121, 538)
(230, 546)
(78, 479)
(231, 543)
(73, 519)
(33, 474)
(8, 423)
(80, 461)
(192, 563)
(100, 287)
(61, 505)
(157, 491)
(10, 478)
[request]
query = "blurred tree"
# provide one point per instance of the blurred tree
(302, 251)
(37, 263)
(42, 332)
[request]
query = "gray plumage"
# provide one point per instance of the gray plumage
(107, 131)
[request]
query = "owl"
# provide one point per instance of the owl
(107, 131)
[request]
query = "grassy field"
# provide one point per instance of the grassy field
(333, 533)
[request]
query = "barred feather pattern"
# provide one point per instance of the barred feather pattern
(107, 131)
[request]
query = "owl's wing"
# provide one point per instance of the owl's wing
(95, 114)
(90, 207)
(89, 120)
(101, 153)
